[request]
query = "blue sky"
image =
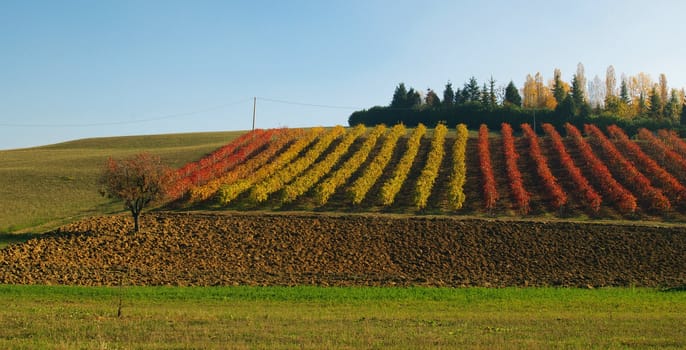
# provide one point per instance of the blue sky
(77, 69)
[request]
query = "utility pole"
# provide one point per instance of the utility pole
(254, 108)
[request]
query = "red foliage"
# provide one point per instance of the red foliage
(648, 165)
(220, 161)
(188, 169)
(490, 191)
(613, 189)
(590, 196)
(673, 140)
(628, 172)
(555, 191)
(520, 194)
(672, 158)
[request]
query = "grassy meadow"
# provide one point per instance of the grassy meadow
(341, 318)
(43, 187)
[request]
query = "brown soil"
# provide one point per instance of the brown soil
(206, 249)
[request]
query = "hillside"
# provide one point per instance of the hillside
(320, 170)
(279, 207)
(43, 187)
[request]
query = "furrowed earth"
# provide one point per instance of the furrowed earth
(208, 249)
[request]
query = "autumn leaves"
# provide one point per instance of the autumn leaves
(421, 168)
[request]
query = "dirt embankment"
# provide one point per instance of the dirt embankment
(215, 249)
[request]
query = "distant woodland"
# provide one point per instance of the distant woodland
(630, 102)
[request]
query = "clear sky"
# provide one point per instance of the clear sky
(77, 69)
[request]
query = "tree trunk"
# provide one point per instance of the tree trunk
(136, 216)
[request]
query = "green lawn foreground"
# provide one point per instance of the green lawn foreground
(342, 318)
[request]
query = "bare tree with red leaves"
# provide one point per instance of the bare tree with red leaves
(138, 181)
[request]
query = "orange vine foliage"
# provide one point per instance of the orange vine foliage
(489, 189)
(625, 201)
(628, 172)
(519, 193)
(651, 167)
(555, 191)
(590, 196)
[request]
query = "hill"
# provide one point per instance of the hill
(47, 186)
(43, 187)
(389, 235)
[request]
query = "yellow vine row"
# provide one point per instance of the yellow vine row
(456, 196)
(328, 187)
(391, 187)
(201, 193)
(229, 192)
(361, 186)
(427, 177)
(308, 179)
(261, 191)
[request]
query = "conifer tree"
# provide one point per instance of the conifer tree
(448, 95)
(399, 96)
(431, 100)
(558, 87)
(512, 96)
(655, 108)
(471, 92)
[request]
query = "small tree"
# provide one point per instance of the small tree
(512, 96)
(138, 181)
(431, 99)
(448, 95)
(399, 96)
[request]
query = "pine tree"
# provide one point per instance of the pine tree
(431, 100)
(492, 99)
(558, 87)
(577, 91)
(448, 95)
(399, 96)
(512, 96)
(672, 106)
(459, 97)
(413, 98)
(642, 104)
(484, 96)
(656, 108)
(567, 108)
(624, 93)
(471, 92)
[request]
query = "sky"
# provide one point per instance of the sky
(81, 69)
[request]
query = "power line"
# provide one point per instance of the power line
(124, 122)
(307, 104)
(177, 115)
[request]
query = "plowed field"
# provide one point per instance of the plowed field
(205, 249)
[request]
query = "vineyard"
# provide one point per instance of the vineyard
(589, 173)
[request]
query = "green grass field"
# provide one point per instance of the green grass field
(341, 318)
(41, 188)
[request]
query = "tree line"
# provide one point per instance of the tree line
(637, 101)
